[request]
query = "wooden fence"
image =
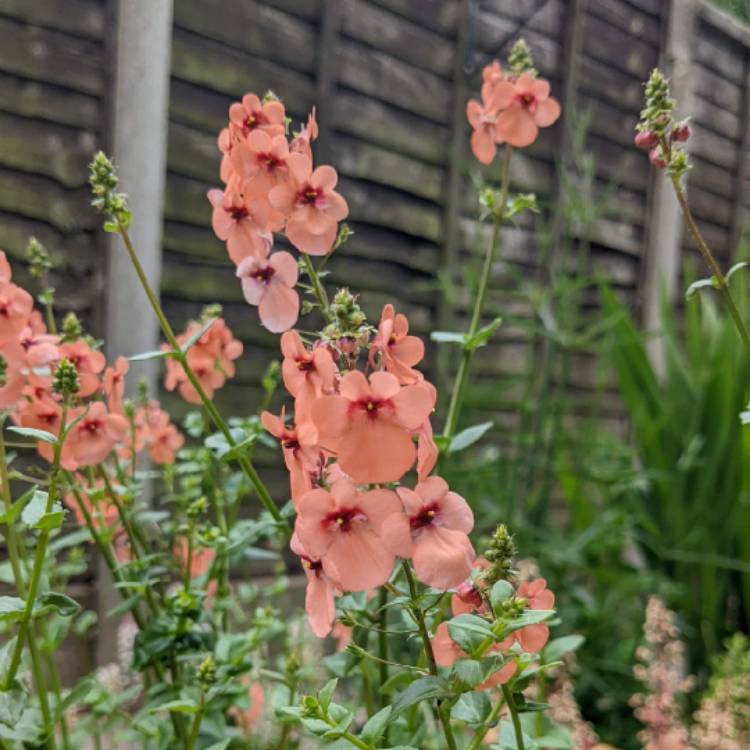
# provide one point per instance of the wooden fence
(390, 79)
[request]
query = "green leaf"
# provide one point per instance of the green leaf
(223, 745)
(448, 337)
(519, 203)
(186, 346)
(180, 706)
(468, 672)
(31, 432)
(422, 689)
(483, 335)
(13, 703)
(238, 450)
(468, 631)
(153, 354)
(736, 267)
(558, 647)
(696, 286)
(35, 513)
(11, 515)
(11, 608)
(501, 591)
(472, 708)
(60, 602)
(469, 436)
(373, 730)
(326, 694)
(507, 739)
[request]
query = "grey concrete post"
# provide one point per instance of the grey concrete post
(139, 124)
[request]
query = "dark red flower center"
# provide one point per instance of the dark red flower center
(263, 274)
(371, 407)
(237, 213)
(93, 427)
(305, 365)
(290, 442)
(425, 516)
(309, 195)
(270, 162)
(255, 120)
(315, 566)
(527, 101)
(343, 518)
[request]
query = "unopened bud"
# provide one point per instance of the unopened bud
(103, 181)
(520, 60)
(654, 156)
(646, 139)
(71, 328)
(207, 672)
(681, 132)
(39, 260)
(65, 381)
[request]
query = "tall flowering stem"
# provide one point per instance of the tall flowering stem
(454, 409)
(418, 615)
(664, 138)
(177, 353)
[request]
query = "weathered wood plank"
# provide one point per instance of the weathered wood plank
(377, 74)
(717, 180)
(376, 205)
(218, 68)
(407, 41)
(41, 198)
(548, 20)
(617, 49)
(621, 14)
(192, 153)
(309, 9)
(713, 208)
(721, 121)
(438, 15)
(252, 27)
(389, 127)
(34, 99)
(80, 17)
(713, 148)
(724, 94)
(718, 52)
(359, 159)
(46, 149)
(616, 88)
(50, 56)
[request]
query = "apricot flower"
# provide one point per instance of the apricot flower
(341, 528)
(15, 308)
(529, 108)
(269, 284)
(242, 223)
(398, 351)
(319, 604)
(368, 425)
(93, 437)
(113, 384)
(312, 207)
(251, 115)
(88, 363)
(433, 530)
(307, 374)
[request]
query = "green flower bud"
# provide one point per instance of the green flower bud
(500, 554)
(520, 60)
(71, 328)
(103, 181)
(207, 672)
(38, 257)
(65, 381)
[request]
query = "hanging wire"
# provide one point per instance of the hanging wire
(470, 63)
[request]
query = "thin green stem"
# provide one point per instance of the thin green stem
(318, 288)
(196, 725)
(54, 678)
(514, 717)
(36, 572)
(383, 641)
(720, 280)
(489, 722)
(454, 409)
(179, 355)
(10, 532)
(418, 614)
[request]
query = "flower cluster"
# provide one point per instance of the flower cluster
(211, 352)
(514, 105)
(657, 130)
(41, 369)
(361, 422)
(271, 186)
(661, 671)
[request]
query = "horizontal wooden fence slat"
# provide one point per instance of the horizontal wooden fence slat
(84, 18)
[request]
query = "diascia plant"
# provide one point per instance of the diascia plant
(439, 645)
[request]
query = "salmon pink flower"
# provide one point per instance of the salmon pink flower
(41, 349)
(113, 384)
(242, 222)
(533, 638)
(301, 144)
(302, 457)
(483, 118)
(248, 718)
(433, 530)
(468, 596)
(5, 270)
(399, 352)
(269, 284)
(15, 308)
(263, 162)
(319, 604)
(93, 437)
(13, 379)
(341, 528)
(312, 207)
(164, 444)
(88, 363)
(307, 374)
(96, 502)
(368, 425)
(251, 115)
(427, 451)
(530, 108)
